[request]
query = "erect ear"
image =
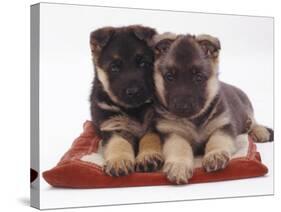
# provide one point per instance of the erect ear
(209, 44)
(162, 42)
(100, 37)
(143, 33)
(162, 47)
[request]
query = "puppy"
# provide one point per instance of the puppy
(196, 111)
(121, 106)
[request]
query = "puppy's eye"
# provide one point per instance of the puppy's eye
(194, 70)
(169, 76)
(199, 77)
(143, 64)
(115, 67)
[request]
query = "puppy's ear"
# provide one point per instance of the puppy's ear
(162, 47)
(209, 44)
(100, 38)
(162, 42)
(144, 33)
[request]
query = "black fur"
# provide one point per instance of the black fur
(127, 61)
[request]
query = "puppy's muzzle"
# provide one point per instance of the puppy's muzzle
(181, 104)
(133, 91)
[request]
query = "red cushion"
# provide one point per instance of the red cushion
(72, 172)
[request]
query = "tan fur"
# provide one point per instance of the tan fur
(248, 125)
(150, 142)
(124, 123)
(218, 151)
(116, 56)
(210, 38)
(259, 133)
(94, 58)
(105, 106)
(166, 35)
(215, 65)
(178, 156)
(119, 156)
(214, 124)
(212, 84)
(215, 41)
(102, 76)
(150, 152)
(159, 85)
(212, 88)
(187, 130)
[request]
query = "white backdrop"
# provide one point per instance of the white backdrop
(65, 79)
(15, 112)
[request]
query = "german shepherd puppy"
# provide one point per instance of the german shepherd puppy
(197, 112)
(121, 98)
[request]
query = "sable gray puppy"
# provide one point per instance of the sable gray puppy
(121, 105)
(197, 112)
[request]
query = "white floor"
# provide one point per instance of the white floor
(59, 198)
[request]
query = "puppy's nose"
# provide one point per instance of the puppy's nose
(180, 104)
(132, 91)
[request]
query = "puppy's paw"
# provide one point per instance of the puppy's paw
(179, 171)
(149, 161)
(215, 160)
(119, 166)
(262, 134)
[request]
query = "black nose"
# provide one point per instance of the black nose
(132, 91)
(181, 104)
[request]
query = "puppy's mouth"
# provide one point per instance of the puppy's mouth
(182, 113)
(135, 96)
(137, 101)
(182, 110)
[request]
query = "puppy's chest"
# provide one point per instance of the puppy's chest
(135, 122)
(192, 131)
(140, 115)
(182, 127)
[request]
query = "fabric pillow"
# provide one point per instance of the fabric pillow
(81, 166)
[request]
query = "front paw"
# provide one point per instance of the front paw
(149, 161)
(178, 172)
(215, 160)
(119, 166)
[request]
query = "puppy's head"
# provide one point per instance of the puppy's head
(124, 63)
(186, 73)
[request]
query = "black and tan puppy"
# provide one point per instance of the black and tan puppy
(121, 98)
(196, 110)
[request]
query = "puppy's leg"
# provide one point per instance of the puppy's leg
(218, 151)
(119, 156)
(178, 155)
(261, 133)
(258, 132)
(150, 156)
